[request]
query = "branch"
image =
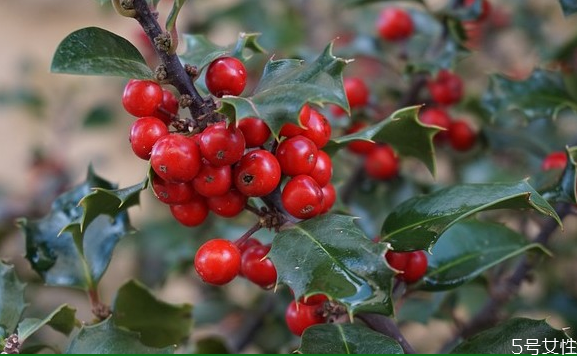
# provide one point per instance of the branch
(386, 326)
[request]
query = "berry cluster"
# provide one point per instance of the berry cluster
(411, 265)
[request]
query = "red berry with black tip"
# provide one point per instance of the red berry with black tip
(172, 193)
(212, 181)
(302, 197)
(221, 145)
(175, 158)
(297, 155)
(257, 174)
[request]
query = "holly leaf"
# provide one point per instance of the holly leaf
(171, 19)
(542, 95)
(106, 338)
(55, 254)
(95, 51)
(513, 336)
(417, 223)
(329, 254)
(159, 323)
(286, 86)
(402, 130)
(12, 303)
(569, 7)
(346, 339)
(63, 320)
(200, 51)
(468, 249)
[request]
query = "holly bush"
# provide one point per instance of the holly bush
(324, 189)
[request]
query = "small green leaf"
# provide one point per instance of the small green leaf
(329, 254)
(403, 131)
(11, 300)
(160, 324)
(171, 19)
(286, 86)
(469, 248)
(542, 95)
(95, 51)
(211, 345)
(106, 338)
(513, 337)
(62, 319)
(346, 339)
(569, 6)
(417, 223)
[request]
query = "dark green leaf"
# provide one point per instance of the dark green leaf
(468, 249)
(160, 324)
(286, 86)
(417, 223)
(403, 131)
(329, 254)
(542, 95)
(95, 51)
(569, 6)
(211, 345)
(171, 19)
(98, 116)
(63, 319)
(11, 300)
(458, 10)
(513, 336)
(346, 339)
(57, 256)
(106, 338)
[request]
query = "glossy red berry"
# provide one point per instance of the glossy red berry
(217, 261)
(258, 269)
(291, 130)
(394, 24)
(554, 160)
(257, 174)
(172, 193)
(226, 76)
(485, 9)
(317, 128)
(437, 117)
(255, 131)
(323, 170)
(299, 316)
(359, 147)
(446, 88)
(312, 300)
(412, 264)
(227, 205)
(175, 158)
(302, 197)
(329, 197)
(141, 97)
(356, 91)
(212, 181)
(297, 155)
(191, 213)
(461, 135)
(221, 145)
(248, 243)
(168, 108)
(382, 163)
(144, 133)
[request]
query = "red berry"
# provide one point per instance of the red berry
(359, 147)
(248, 243)
(394, 24)
(318, 129)
(212, 181)
(554, 160)
(170, 192)
(312, 300)
(485, 9)
(437, 117)
(141, 97)
(446, 88)
(291, 130)
(302, 197)
(191, 213)
(217, 261)
(255, 131)
(144, 133)
(412, 264)
(175, 158)
(382, 163)
(323, 170)
(168, 108)
(221, 145)
(226, 76)
(461, 135)
(297, 155)
(298, 317)
(228, 205)
(357, 92)
(329, 197)
(258, 269)
(257, 174)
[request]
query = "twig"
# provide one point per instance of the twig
(252, 324)
(387, 327)
(248, 234)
